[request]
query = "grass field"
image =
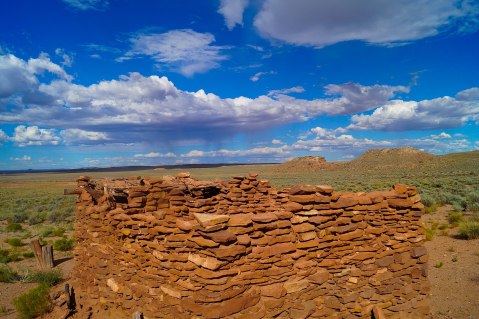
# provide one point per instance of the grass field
(454, 179)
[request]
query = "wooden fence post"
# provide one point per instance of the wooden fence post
(47, 251)
(44, 254)
(37, 250)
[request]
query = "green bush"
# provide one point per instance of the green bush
(37, 218)
(33, 303)
(472, 201)
(6, 256)
(469, 229)
(19, 217)
(454, 218)
(47, 278)
(429, 234)
(13, 227)
(15, 242)
(59, 232)
(29, 254)
(64, 244)
(7, 274)
(46, 232)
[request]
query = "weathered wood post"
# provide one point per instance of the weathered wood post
(44, 254)
(37, 250)
(47, 252)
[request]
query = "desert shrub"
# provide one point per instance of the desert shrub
(29, 254)
(57, 216)
(59, 232)
(13, 227)
(37, 218)
(47, 232)
(19, 217)
(427, 200)
(454, 218)
(439, 264)
(64, 244)
(15, 242)
(443, 226)
(429, 233)
(3, 309)
(4, 256)
(47, 278)
(469, 229)
(472, 201)
(7, 274)
(33, 303)
(459, 205)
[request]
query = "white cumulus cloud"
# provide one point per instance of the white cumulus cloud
(439, 113)
(184, 51)
(34, 136)
(232, 11)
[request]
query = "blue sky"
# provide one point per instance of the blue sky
(87, 83)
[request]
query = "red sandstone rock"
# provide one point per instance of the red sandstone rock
(292, 207)
(206, 220)
(264, 218)
(240, 220)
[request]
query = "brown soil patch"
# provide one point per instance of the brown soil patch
(455, 285)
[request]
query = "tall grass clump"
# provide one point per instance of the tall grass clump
(472, 201)
(13, 227)
(469, 229)
(7, 274)
(47, 278)
(64, 244)
(454, 218)
(34, 303)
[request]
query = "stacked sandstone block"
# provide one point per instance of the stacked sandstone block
(181, 248)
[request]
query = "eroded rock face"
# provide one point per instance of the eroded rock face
(175, 247)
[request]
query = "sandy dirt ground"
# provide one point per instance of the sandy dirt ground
(455, 284)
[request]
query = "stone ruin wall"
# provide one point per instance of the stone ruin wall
(174, 247)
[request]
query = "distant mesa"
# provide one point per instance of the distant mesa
(404, 157)
(305, 163)
(373, 159)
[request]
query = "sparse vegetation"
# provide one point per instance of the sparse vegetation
(439, 264)
(469, 229)
(64, 244)
(3, 309)
(33, 303)
(6, 256)
(429, 234)
(45, 277)
(454, 218)
(15, 242)
(13, 227)
(7, 274)
(454, 259)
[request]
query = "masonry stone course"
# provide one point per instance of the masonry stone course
(176, 247)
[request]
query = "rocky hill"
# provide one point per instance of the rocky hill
(404, 157)
(305, 164)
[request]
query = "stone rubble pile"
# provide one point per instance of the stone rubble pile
(174, 247)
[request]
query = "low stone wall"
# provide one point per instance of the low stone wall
(174, 247)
